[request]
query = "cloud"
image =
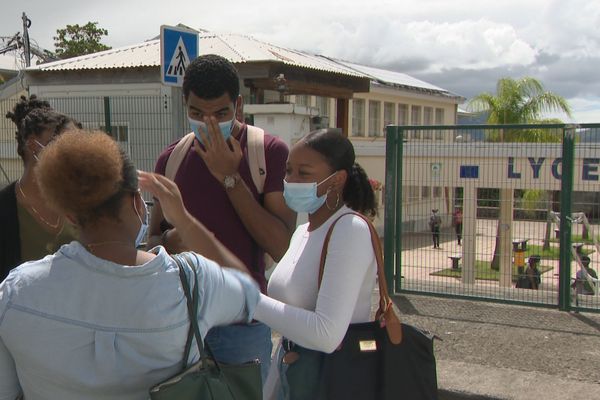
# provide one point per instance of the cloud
(464, 46)
(568, 28)
(383, 40)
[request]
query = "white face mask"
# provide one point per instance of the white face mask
(143, 221)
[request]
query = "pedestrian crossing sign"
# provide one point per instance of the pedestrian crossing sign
(178, 46)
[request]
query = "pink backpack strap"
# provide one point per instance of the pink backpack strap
(256, 157)
(178, 154)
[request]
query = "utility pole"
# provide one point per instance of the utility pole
(26, 49)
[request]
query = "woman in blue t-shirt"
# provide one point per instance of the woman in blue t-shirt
(100, 318)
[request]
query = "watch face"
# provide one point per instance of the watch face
(229, 182)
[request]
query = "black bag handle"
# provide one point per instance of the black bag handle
(192, 306)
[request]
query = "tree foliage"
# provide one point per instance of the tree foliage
(77, 40)
(521, 101)
(518, 101)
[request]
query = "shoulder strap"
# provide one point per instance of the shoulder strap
(256, 156)
(192, 307)
(178, 154)
(385, 314)
(192, 299)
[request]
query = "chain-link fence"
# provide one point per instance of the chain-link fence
(495, 212)
(143, 126)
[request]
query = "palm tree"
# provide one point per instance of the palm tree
(517, 101)
(520, 101)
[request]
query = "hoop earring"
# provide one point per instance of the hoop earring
(337, 200)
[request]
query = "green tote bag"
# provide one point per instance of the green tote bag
(207, 378)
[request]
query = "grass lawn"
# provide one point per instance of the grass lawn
(483, 271)
(552, 253)
(578, 239)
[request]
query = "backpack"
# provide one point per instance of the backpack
(256, 156)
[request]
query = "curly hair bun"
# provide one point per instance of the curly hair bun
(79, 171)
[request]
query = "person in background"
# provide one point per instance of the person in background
(30, 229)
(435, 223)
(457, 221)
(101, 319)
(217, 188)
(532, 272)
(582, 284)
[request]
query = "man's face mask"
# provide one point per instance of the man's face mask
(226, 127)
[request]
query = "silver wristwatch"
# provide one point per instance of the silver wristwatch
(229, 181)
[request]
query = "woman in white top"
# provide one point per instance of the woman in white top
(323, 180)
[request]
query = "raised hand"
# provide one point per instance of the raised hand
(221, 157)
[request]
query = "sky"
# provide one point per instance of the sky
(463, 46)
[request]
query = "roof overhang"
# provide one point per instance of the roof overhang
(300, 80)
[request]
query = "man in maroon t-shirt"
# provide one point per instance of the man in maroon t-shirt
(217, 189)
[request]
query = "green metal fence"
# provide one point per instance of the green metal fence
(523, 190)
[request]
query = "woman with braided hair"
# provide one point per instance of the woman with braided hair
(30, 229)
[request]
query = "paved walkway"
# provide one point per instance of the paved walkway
(497, 351)
(419, 260)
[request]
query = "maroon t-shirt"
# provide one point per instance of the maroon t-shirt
(206, 199)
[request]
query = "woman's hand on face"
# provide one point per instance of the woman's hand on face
(167, 193)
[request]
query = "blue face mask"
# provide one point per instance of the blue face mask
(226, 127)
(302, 197)
(143, 221)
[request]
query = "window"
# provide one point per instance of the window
(358, 117)
(374, 118)
(437, 192)
(425, 192)
(302, 99)
(388, 115)
(119, 132)
(428, 120)
(403, 116)
(323, 106)
(439, 120)
(415, 119)
(413, 193)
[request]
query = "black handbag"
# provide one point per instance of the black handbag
(207, 378)
(383, 359)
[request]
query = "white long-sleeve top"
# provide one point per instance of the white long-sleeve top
(313, 318)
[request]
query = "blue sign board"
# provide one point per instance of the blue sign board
(469, 171)
(178, 46)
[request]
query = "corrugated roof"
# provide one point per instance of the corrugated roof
(398, 79)
(236, 48)
(239, 49)
(146, 54)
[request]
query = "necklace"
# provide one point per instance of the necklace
(37, 214)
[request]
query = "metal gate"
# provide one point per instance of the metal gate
(505, 196)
